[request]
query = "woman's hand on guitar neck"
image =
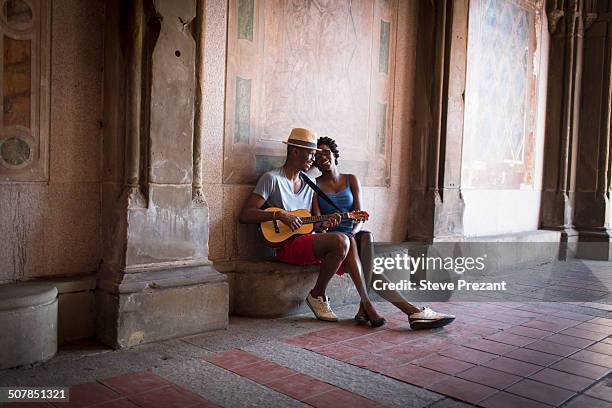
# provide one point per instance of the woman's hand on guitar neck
(331, 221)
(289, 220)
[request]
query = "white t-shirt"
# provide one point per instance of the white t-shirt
(277, 190)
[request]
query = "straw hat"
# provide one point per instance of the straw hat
(302, 138)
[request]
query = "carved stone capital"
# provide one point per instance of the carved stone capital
(554, 16)
(588, 20)
(197, 198)
(448, 214)
(133, 197)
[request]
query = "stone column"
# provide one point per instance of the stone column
(562, 116)
(593, 207)
(156, 281)
(132, 192)
(198, 134)
(575, 197)
(436, 205)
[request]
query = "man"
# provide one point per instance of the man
(284, 188)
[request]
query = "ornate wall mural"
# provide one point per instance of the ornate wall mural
(501, 86)
(323, 64)
(24, 61)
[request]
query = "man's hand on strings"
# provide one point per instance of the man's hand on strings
(289, 220)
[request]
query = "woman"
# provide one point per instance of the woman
(345, 191)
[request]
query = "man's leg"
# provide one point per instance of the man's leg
(331, 249)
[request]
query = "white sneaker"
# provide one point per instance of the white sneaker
(429, 319)
(321, 309)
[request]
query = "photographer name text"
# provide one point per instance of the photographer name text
(461, 284)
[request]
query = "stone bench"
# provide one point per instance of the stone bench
(268, 288)
(28, 322)
(272, 289)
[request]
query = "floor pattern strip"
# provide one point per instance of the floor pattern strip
(294, 384)
(141, 389)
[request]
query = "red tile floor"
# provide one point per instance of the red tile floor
(495, 355)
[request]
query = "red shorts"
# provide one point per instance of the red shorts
(299, 251)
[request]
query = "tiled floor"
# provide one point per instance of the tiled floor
(537, 357)
(497, 354)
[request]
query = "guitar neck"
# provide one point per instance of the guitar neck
(320, 218)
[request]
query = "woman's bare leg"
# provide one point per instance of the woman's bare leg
(366, 253)
(352, 265)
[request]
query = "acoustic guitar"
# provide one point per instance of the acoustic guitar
(276, 233)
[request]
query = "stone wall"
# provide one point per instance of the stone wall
(51, 228)
(386, 205)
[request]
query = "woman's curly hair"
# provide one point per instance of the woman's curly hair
(332, 146)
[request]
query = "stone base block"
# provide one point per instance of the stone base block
(273, 289)
(595, 245)
(503, 252)
(129, 319)
(509, 251)
(569, 244)
(28, 322)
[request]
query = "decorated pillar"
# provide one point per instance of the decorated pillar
(562, 116)
(156, 280)
(577, 163)
(436, 204)
(593, 207)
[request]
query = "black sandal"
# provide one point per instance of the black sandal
(361, 318)
(377, 323)
(374, 323)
